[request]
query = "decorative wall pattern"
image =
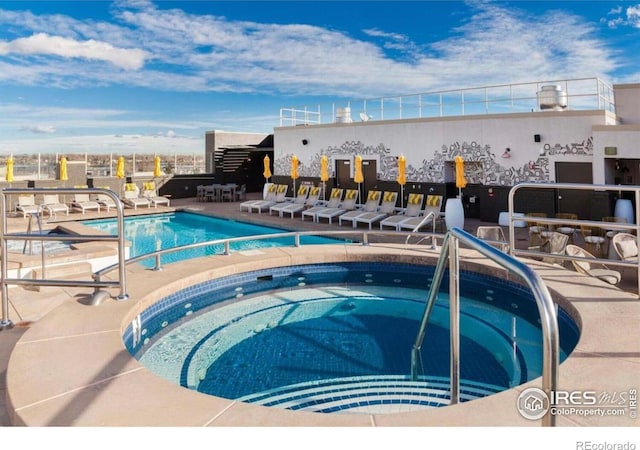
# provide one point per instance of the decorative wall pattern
(482, 166)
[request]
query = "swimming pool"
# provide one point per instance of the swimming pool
(337, 337)
(161, 231)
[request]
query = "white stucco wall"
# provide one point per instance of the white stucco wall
(627, 99)
(429, 145)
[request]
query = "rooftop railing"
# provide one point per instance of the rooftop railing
(576, 94)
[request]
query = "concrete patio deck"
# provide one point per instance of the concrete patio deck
(55, 329)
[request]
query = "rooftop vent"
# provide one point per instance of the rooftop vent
(552, 98)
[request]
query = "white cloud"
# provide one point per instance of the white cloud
(44, 44)
(633, 16)
(39, 129)
(206, 53)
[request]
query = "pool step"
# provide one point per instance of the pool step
(373, 394)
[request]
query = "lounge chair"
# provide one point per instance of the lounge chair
(27, 205)
(596, 270)
(386, 208)
(132, 197)
(83, 203)
(51, 203)
(625, 246)
(334, 201)
(264, 205)
(310, 202)
(430, 214)
(371, 205)
(301, 198)
(413, 209)
(269, 195)
(494, 235)
(348, 204)
(104, 200)
(149, 192)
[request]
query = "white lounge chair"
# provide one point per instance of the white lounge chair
(335, 198)
(132, 197)
(51, 204)
(301, 198)
(413, 209)
(264, 205)
(310, 202)
(348, 204)
(83, 203)
(429, 215)
(596, 270)
(27, 205)
(387, 207)
(269, 195)
(105, 200)
(150, 192)
(371, 205)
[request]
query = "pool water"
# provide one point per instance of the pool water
(161, 231)
(250, 336)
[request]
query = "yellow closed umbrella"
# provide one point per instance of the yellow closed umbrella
(120, 168)
(157, 170)
(9, 175)
(358, 177)
(461, 181)
(267, 168)
(402, 177)
(294, 172)
(324, 174)
(64, 174)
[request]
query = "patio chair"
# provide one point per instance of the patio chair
(495, 236)
(387, 207)
(83, 203)
(269, 195)
(310, 202)
(51, 204)
(625, 246)
(241, 193)
(150, 192)
(371, 205)
(429, 215)
(537, 231)
(132, 197)
(594, 240)
(301, 198)
(412, 210)
(334, 201)
(555, 244)
(264, 205)
(348, 204)
(27, 205)
(569, 230)
(595, 270)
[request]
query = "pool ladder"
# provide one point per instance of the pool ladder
(546, 309)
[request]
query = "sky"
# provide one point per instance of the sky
(153, 76)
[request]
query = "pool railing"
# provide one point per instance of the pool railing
(5, 236)
(546, 309)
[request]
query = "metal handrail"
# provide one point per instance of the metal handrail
(635, 227)
(5, 281)
(430, 215)
(546, 309)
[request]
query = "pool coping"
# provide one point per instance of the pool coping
(71, 367)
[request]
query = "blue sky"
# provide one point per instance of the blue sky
(153, 76)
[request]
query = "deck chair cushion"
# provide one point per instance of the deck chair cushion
(628, 249)
(373, 195)
(414, 199)
(433, 200)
